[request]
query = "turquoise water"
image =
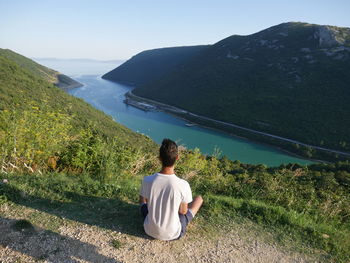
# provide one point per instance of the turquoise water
(108, 97)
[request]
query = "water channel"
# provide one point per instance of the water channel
(108, 97)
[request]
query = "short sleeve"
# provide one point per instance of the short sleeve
(143, 190)
(187, 193)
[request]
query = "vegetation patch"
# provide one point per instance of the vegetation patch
(116, 243)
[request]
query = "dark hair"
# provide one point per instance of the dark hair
(168, 152)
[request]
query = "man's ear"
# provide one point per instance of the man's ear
(177, 157)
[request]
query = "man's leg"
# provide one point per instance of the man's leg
(144, 210)
(187, 218)
(195, 204)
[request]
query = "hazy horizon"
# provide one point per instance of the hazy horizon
(85, 58)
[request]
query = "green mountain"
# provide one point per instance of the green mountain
(152, 64)
(290, 80)
(60, 80)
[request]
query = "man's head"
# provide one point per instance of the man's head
(168, 153)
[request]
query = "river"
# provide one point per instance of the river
(108, 97)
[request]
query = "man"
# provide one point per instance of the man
(166, 200)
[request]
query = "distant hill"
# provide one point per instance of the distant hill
(291, 80)
(151, 64)
(41, 71)
(79, 60)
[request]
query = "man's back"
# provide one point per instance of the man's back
(164, 193)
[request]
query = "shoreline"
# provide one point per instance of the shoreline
(66, 83)
(179, 113)
(181, 117)
(247, 139)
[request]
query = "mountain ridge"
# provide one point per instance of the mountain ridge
(144, 68)
(289, 80)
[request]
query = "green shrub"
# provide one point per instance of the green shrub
(30, 137)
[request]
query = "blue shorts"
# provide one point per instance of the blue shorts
(184, 219)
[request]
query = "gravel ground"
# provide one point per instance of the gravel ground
(77, 242)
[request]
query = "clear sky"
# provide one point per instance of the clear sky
(116, 29)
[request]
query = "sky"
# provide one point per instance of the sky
(116, 29)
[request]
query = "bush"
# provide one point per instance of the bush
(29, 138)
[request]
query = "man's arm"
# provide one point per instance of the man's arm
(186, 197)
(143, 200)
(183, 208)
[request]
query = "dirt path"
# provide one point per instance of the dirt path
(77, 242)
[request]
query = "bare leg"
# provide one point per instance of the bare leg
(195, 204)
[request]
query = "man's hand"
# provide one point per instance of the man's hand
(183, 208)
(143, 200)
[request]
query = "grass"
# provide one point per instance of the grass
(116, 243)
(29, 65)
(74, 198)
(287, 226)
(79, 198)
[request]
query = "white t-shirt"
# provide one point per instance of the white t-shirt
(164, 193)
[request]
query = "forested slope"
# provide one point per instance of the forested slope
(152, 64)
(290, 80)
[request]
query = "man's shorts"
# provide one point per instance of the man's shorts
(184, 219)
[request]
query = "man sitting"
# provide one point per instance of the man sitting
(166, 200)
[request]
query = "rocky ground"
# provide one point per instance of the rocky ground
(71, 241)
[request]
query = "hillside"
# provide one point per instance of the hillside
(70, 179)
(151, 64)
(290, 80)
(42, 127)
(52, 76)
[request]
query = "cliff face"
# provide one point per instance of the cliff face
(332, 36)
